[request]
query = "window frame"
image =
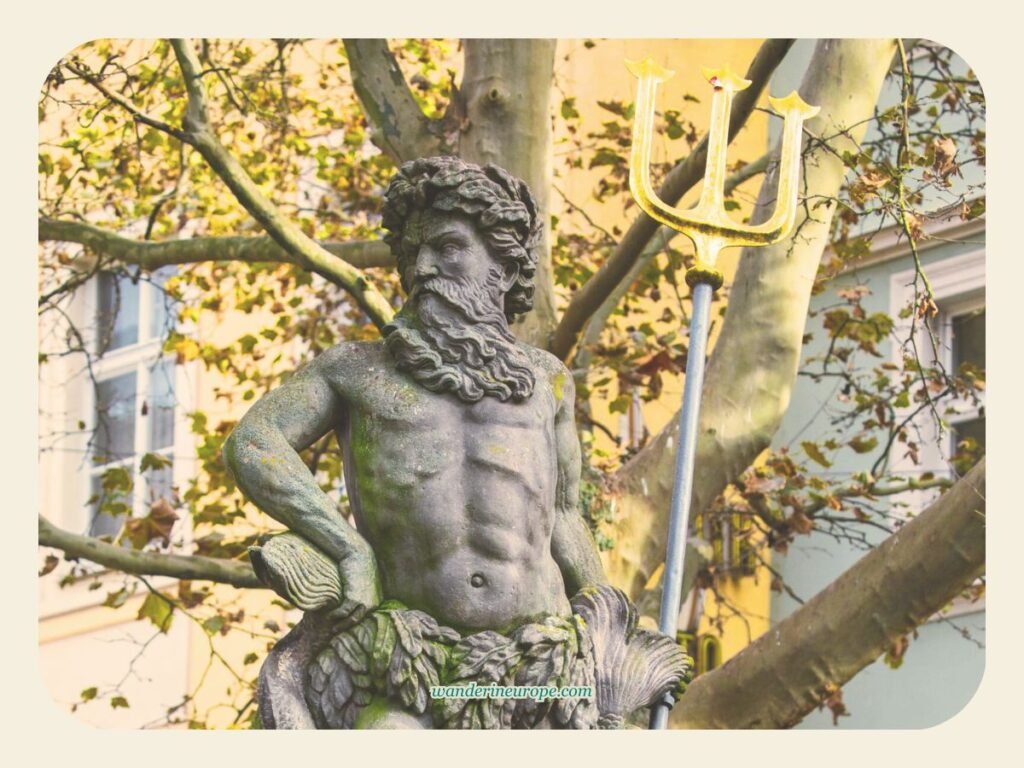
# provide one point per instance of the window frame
(965, 410)
(70, 397)
(141, 358)
(958, 285)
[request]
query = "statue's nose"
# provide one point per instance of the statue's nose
(426, 264)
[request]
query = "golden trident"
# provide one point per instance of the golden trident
(708, 225)
(711, 229)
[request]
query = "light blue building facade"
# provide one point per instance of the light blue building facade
(941, 668)
(944, 664)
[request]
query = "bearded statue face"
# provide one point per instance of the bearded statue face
(452, 262)
(452, 334)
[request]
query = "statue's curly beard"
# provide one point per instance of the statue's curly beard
(452, 336)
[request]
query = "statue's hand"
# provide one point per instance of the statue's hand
(312, 581)
(360, 586)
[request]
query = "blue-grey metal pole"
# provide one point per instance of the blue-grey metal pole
(679, 512)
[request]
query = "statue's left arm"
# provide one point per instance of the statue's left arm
(572, 543)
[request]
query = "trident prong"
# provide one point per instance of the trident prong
(711, 229)
(707, 224)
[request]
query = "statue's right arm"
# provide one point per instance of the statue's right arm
(263, 455)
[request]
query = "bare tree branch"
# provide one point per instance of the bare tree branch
(199, 134)
(122, 102)
(897, 586)
(400, 128)
(856, 490)
(677, 183)
(193, 567)
(150, 255)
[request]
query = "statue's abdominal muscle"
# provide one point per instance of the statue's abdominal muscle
(458, 504)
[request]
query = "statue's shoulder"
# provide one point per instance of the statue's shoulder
(558, 376)
(542, 360)
(346, 360)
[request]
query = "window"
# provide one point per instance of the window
(133, 404)
(121, 303)
(959, 329)
(101, 416)
(964, 336)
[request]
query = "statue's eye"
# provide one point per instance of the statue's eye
(449, 249)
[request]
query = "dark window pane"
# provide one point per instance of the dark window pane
(972, 434)
(160, 317)
(115, 419)
(160, 404)
(109, 509)
(158, 484)
(117, 312)
(969, 340)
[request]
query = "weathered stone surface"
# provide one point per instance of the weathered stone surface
(462, 470)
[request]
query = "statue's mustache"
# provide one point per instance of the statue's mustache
(456, 290)
(432, 285)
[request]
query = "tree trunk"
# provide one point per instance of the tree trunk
(506, 93)
(754, 364)
(784, 675)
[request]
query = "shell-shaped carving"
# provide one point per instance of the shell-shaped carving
(298, 572)
(633, 667)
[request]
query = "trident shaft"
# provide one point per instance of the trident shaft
(711, 229)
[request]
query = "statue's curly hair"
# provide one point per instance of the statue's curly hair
(500, 204)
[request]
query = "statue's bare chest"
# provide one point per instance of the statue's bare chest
(410, 430)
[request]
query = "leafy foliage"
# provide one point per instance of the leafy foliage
(286, 110)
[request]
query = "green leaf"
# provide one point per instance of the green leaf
(116, 599)
(153, 461)
(89, 693)
(119, 701)
(158, 610)
(185, 349)
(51, 562)
(605, 156)
(976, 209)
(814, 452)
(863, 445)
(615, 107)
(620, 404)
(116, 479)
(569, 109)
(213, 624)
